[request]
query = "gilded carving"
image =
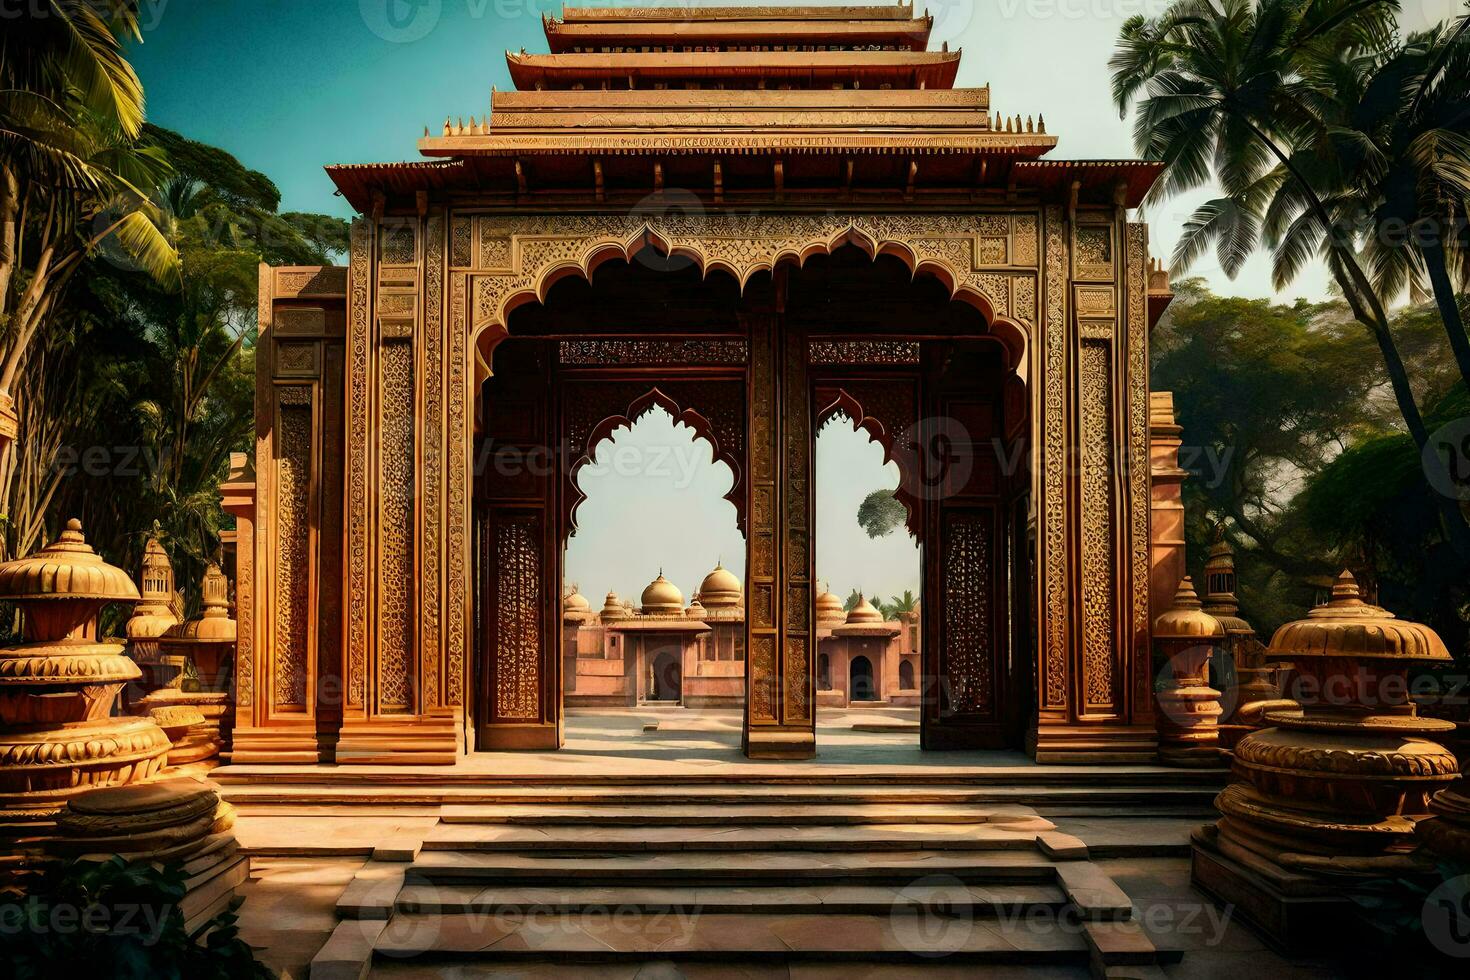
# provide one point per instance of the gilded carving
(399, 243)
(1024, 241)
(293, 524)
(358, 421)
(520, 251)
(1095, 252)
(864, 352)
(1138, 454)
(1054, 466)
(456, 493)
(300, 320)
(431, 456)
(395, 529)
(1095, 301)
(1098, 626)
(653, 352)
(461, 246)
(1023, 299)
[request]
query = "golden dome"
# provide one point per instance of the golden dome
(720, 589)
(214, 624)
(1349, 627)
(153, 616)
(613, 608)
(662, 598)
(829, 609)
(864, 612)
(575, 606)
(67, 568)
(696, 609)
(1186, 619)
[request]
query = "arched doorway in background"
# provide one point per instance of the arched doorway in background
(860, 680)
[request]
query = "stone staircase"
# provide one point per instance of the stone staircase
(763, 876)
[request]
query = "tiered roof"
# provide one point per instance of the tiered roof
(741, 102)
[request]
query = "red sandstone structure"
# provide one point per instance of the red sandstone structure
(755, 218)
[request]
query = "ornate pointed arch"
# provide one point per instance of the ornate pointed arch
(987, 260)
(882, 411)
(603, 407)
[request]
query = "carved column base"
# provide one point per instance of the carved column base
(422, 740)
(1076, 744)
(276, 744)
(770, 742)
(40, 769)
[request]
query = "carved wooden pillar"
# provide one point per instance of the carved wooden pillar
(289, 549)
(1095, 676)
(780, 642)
(388, 714)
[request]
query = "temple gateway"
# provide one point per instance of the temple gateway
(756, 219)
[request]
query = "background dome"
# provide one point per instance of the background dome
(864, 612)
(662, 598)
(720, 589)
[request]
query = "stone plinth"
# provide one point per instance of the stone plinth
(178, 821)
(1328, 796)
(57, 689)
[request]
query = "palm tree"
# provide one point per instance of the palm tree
(905, 603)
(1400, 122)
(72, 177)
(1227, 90)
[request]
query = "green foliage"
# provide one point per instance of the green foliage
(1295, 453)
(880, 514)
(119, 920)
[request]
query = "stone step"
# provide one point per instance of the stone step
(751, 776)
(1086, 886)
(988, 900)
(685, 815)
(733, 837)
(271, 792)
(916, 936)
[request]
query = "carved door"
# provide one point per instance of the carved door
(518, 692)
(969, 461)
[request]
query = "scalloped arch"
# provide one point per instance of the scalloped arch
(636, 410)
(942, 246)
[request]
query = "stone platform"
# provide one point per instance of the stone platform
(672, 847)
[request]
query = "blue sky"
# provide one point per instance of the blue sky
(291, 85)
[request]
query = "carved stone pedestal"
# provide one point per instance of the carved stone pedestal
(201, 740)
(57, 689)
(1329, 797)
(179, 821)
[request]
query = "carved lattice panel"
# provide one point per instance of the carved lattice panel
(967, 567)
(516, 557)
(292, 564)
(395, 530)
(1098, 499)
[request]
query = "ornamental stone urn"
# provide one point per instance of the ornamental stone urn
(57, 689)
(1330, 794)
(1185, 637)
(208, 643)
(152, 617)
